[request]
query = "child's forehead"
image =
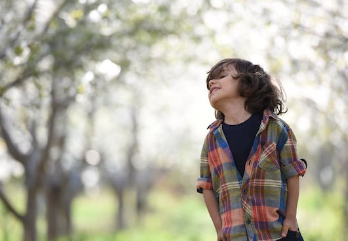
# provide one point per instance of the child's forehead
(222, 68)
(227, 67)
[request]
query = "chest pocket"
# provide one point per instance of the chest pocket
(269, 157)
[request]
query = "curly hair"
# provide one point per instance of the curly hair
(254, 84)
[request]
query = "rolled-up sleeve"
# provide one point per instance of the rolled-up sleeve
(290, 164)
(204, 180)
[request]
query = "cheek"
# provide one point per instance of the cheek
(234, 89)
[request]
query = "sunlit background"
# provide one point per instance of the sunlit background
(103, 112)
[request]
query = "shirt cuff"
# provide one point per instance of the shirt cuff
(203, 183)
(296, 168)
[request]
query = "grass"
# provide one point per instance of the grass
(173, 218)
(176, 216)
(319, 216)
(93, 214)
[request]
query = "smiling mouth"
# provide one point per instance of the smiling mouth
(214, 89)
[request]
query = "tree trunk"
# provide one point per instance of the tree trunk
(58, 213)
(30, 216)
(345, 208)
(52, 214)
(121, 223)
(345, 192)
(141, 201)
(68, 223)
(119, 181)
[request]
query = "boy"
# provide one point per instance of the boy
(249, 173)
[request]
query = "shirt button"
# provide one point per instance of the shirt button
(244, 191)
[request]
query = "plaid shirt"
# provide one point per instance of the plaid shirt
(252, 207)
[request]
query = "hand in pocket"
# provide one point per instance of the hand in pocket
(293, 236)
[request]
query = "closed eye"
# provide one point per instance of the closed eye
(222, 76)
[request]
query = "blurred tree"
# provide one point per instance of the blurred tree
(20, 54)
(49, 58)
(145, 51)
(321, 59)
(36, 53)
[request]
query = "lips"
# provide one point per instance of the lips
(214, 89)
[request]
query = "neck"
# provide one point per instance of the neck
(235, 114)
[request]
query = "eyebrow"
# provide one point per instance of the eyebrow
(217, 73)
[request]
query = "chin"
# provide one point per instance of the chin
(214, 103)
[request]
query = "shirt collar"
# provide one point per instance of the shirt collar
(215, 124)
(267, 113)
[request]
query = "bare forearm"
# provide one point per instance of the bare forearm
(290, 222)
(213, 208)
(292, 199)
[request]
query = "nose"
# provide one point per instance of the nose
(211, 82)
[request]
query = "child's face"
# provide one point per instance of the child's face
(223, 89)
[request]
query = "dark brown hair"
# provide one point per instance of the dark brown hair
(254, 84)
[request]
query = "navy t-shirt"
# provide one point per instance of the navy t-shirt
(240, 139)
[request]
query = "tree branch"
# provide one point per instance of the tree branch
(14, 39)
(12, 148)
(9, 206)
(32, 130)
(55, 13)
(24, 74)
(27, 71)
(29, 13)
(50, 136)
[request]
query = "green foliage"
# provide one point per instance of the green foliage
(77, 14)
(18, 50)
(31, 23)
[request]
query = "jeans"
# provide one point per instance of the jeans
(293, 236)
